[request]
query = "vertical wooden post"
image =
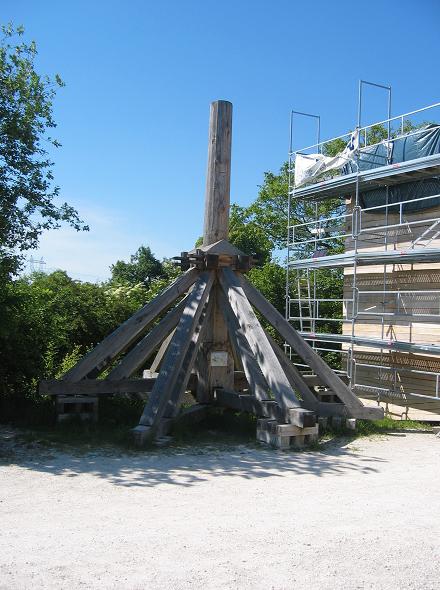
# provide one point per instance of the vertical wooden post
(218, 178)
(213, 369)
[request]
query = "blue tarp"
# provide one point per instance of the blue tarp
(418, 144)
(404, 192)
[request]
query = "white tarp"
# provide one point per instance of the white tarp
(307, 166)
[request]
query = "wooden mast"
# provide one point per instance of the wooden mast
(216, 365)
(218, 177)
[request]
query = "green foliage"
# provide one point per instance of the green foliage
(27, 195)
(376, 134)
(334, 147)
(48, 321)
(142, 268)
(270, 279)
(263, 225)
(269, 210)
(137, 295)
(170, 272)
(67, 362)
(247, 235)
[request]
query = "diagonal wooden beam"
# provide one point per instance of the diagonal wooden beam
(315, 362)
(294, 376)
(257, 383)
(176, 397)
(175, 355)
(142, 351)
(161, 353)
(119, 340)
(259, 344)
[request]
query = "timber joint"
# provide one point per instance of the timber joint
(206, 261)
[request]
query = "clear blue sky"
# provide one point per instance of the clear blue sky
(139, 79)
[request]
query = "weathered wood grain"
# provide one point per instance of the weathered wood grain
(218, 179)
(217, 334)
(258, 342)
(314, 361)
(245, 402)
(215, 232)
(331, 409)
(257, 383)
(173, 406)
(176, 352)
(145, 348)
(216, 226)
(294, 376)
(95, 386)
(203, 393)
(161, 353)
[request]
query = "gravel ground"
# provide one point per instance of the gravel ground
(358, 515)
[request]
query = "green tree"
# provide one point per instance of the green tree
(142, 268)
(27, 194)
(269, 210)
(48, 322)
(267, 216)
(247, 235)
(270, 279)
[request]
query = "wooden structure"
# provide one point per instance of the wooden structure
(213, 332)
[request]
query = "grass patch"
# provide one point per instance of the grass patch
(369, 427)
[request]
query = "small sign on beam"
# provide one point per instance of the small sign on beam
(219, 358)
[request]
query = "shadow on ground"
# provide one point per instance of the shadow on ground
(191, 465)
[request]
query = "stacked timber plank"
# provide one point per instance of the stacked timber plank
(285, 436)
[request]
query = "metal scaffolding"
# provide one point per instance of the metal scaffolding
(375, 330)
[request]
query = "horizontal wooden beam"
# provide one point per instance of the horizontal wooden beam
(95, 386)
(128, 332)
(187, 417)
(331, 409)
(244, 402)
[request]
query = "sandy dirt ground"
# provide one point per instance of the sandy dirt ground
(358, 515)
